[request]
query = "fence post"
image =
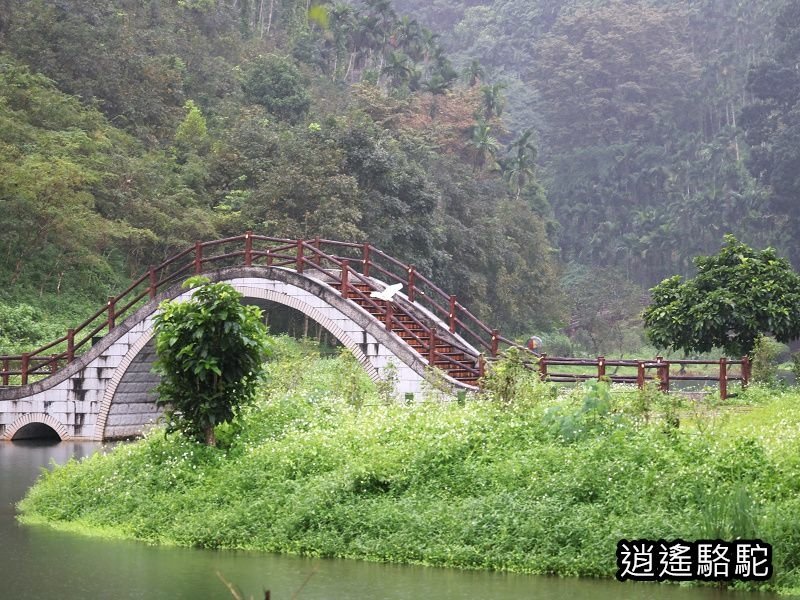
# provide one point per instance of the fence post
(53, 364)
(452, 315)
(153, 282)
(198, 258)
(24, 368)
(601, 366)
(665, 377)
(663, 374)
(723, 378)
(388, 315)
(316, 254)
(5, 371)
(248, 248)
(70, 345)
(365, 259)
(543, 366)
(640, 374)
(412, 277)
(745, 371)
(299, 265)
(345, 278)
(432, 346)
(112, 317)
(495, 341)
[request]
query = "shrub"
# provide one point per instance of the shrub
(211, 351)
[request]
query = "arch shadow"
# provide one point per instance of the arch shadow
(31, 424)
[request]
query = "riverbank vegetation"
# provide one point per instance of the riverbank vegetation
(528, 478)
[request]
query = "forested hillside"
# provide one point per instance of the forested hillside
(131, 128)
(504, 147)
(644, 117)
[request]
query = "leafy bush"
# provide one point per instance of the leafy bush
(278, 85)
(211, 349)
(764, 367)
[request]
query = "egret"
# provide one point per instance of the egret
(388, 292)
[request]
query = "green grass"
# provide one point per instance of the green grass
(546, 483)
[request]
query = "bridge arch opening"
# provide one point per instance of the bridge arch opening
(287, 320)
(36, 431)
(133, 382)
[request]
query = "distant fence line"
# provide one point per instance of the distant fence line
(657, 369)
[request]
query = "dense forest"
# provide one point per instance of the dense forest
(520, 152)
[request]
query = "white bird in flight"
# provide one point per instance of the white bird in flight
(388, 292)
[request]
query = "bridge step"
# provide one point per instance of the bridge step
(415, 334)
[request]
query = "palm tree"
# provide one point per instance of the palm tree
(484, 146)
(474, 72)
(519, 166)
(341, 18)
(493, 100)
(407, 35)
(428, 44)
(398, 68)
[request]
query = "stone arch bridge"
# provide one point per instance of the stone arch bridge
(95, 382)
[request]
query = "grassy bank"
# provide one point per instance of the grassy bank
(544, 484)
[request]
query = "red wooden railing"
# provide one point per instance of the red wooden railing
(337, 259)
(641, 371)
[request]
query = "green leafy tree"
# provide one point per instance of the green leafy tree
(278, 86)
(211, 352)
(736, 296)
(192, 134)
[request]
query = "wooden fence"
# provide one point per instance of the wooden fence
(639, 371)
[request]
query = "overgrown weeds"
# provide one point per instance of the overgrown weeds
(541, 483)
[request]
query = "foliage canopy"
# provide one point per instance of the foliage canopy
(737, 295)
(211, 351)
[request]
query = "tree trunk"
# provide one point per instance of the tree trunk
(211, 439)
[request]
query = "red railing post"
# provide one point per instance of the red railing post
(316, 254)
(412, 277)
(663, 374)
(745, 371)
(198, 258)
(601, 366)
(345, 278)
(388, 315)
(5, 371)
(24, 368)
(543, 366)
(112, 317)
(153, 289)
(723, 378)
(452, 315)
(299, 265)
(640, 375)
(70, 345)
(53, 364)
(495, 342)
(365, 260)
(432, 346)
(248, 248)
